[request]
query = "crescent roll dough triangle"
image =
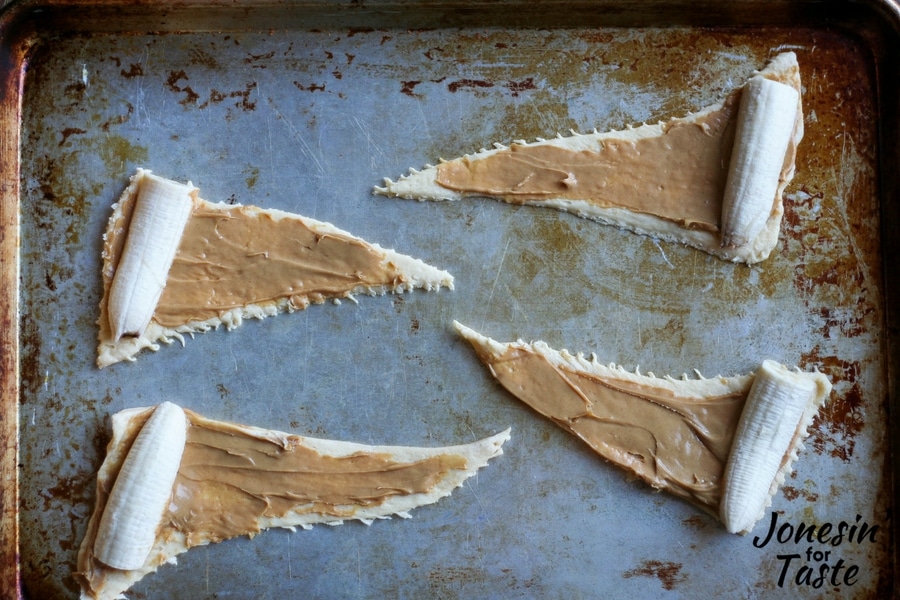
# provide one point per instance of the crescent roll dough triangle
(226, 263)
(725, 444)
(234, 480)
(712, 180)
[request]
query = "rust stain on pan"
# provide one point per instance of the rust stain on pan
(473, 84)
(696, 522)
(173, 82)
(792, 493)
(843, 417)
(668, 573)
(135, 70)
(452, 577)
(408, 87)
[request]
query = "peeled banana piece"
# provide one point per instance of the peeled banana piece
(161, 211)
(776, 412)
(765, 126)
(142, 490)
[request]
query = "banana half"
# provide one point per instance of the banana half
(724, 444)
(173, 479)
(712, 180)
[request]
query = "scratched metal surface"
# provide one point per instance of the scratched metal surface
(309, 121)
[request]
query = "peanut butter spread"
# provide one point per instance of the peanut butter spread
(237, 256)
(237, 481)
(229, 480)
(678, 176)
(675, 444)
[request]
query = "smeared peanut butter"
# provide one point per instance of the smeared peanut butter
(675, 444)
(678, 176)
(237, 256)
(232, 479)
(229, 480)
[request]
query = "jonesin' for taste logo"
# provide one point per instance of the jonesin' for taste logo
(812, 557)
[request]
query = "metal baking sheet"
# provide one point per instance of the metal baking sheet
(305, 107)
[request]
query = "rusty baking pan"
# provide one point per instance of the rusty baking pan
(306, 106)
